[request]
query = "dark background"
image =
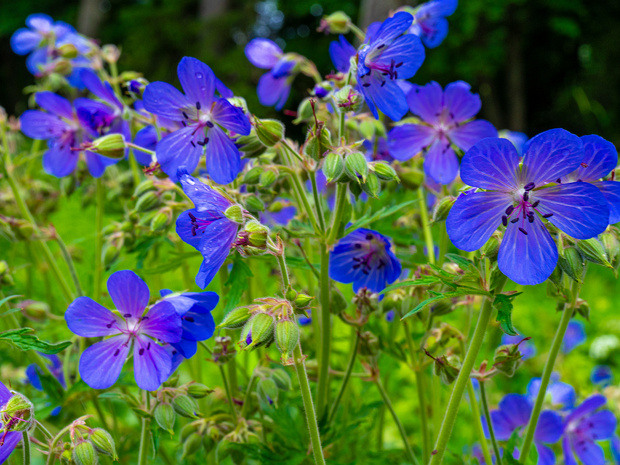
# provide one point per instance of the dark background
(537, 64)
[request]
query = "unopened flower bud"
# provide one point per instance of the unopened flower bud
(302, 301)
(250, 145)
(257, 233)
(348, 99)
(287, 338)
(593, 251)
(333, 166)
(110, 146)
(611, 245)
(267, 391)
(267, 178)
(84, 454)
(443, 208)
(109, 254)
(254, 203)
(507, 358)
(110, 53)
(145, 186)
(338, 301)
(165, 417)
(317, 143)
(103, 442)
(185, 406)
(355, 165)
(236, 318)
(208, 443)
(304, 112)
(369, 344)
(336, 23)
(161, 220)
(17, 414)
(446, 368)
(372, 186)
(253, 175)
(491, 248)
(572, 263)
(385, 171)
(63, 67)
(191, 445)
(260, 331)
(147, 201)
(67, 50)
(6, 279)
(290, 294)
(269, 131)
(282, 379)
(322, 90)
(411, 179)
(198, 391)
(234, 213)
(443, 307)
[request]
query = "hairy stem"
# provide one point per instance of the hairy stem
(475, 411)
(231, 404)
(144, 434)
(347, 376)
(487, 416)
(99, 205)
(426, 227)
(325, 339)
(26, 445)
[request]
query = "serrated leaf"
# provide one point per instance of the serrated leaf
(238, 281)
(447, 295)
(382, 213)
(503, 303)
(461, 261)
(23, 340)
(424, 281)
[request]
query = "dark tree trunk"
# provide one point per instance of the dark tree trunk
(515, 72)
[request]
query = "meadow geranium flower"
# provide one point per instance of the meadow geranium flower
(527, 348)
(10, 427)
(148, 137)
(601, 159)
(65, 129)
(520, 197)
(447, 120)
(194, 308)
(275, 85)
(518, 139)
(575, 335)
(206, 227)
(387, 56)
(514, 412)
(430, 23)
(601, 376)
(101, 364)
(364, 257)
(584, 427)
(340, 52)
(560, 396)
(204, 118)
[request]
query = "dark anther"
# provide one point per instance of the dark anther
(206, 141)
(535, 204)
(118, 351)
(185, 115)
(174, 352)
(148, 347)
(559, 181)
(585, 165)
(513, 221)
(579, 180)
(523, 231)
(504, 220)
(141, 351)
(548, 215)
(184, 124)
(109, 325)
(526, 196)
(382, 83)
(358, 246)
(192, 142)
(191, 217)
(529, 186)
(399, 65)
(369, 237)
(530, 218)
(209, 124)
(451, 115)
(198, 105)
(509, 210)
(188, 318)
(127, 315)
(380, 46)
(366, 84)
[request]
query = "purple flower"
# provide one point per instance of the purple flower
(194, 308)
(527, 348)
(65, 130)
(446, 121)
(584, 427)
(601, 376)
(575, 336)
(383, 59)
(520, 198)
(101, 364)
(204, 118)
(561, 395)
(340, 52)
(518, 139)
(364, 258)
(206, 227)
(147, 137)
(601, 158)
(274, 86)
(389, 316)
(8, 439)
(514, 412)
(430, 23)
(279, 214)
(305, 320)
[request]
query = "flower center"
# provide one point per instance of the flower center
(200, 121)
(200, 224)
(373, 249)
(524, 209)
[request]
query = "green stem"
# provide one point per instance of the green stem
(426, 227)
(475, 411)
(228, 394)
(286, 282)
(567, 314)
(358, 32)
(304, 385)
(487, 416)
(247, 400)
(114, 71)
(143, 452)
(231, 365)
(341, 200)
(69, 261)
(401, 429)
(347, 376)
(26, 445)
(317, 200)
(325, 339)
(463, 378)
(99, 205)
(51, 457)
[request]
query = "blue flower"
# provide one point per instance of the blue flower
(527, 348)
(278, 214)
(341, 52)
(305, 320)
(55, 365)
(520, 198)
(65, 130)
(514, 412)
(601, 376)
(204, 118)
(518, 139)
(206, 227)
(101, 364)
(584, 427)
(430, 23)
(274, 86)
(147, 137)
(446, 121)
(389, 316)
(194, 308)
(383, 59)
(364, 258)
(575, 335)
(8, 439)
(561, 395)
(601, 158)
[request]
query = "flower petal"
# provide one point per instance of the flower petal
(163, 323)
(601, 157)
(101, 364)
(165, 100)
(55, 104)
(197, 80)
(611, 192)
(466, 135)
(546, 456)
(273, 91)
(474, 217)
(599, 426)
(204, 197)
(579, 209)
(503, 426)
(40, 125)
(517, 407)
(589, 453)
(587, 406)
(491, 164)
(223, 158)
(87, 318)
(551, 155)
(24, 41)
(549, 428)
(340, 52)
(129, 293)
(406, 53)
(186, 348)
(231, 117)
(440, 162)
(385, 95)
(527, 259)
(575, 335)
(151, 363)
(408, 140)
(460, 102)
(263, 53)
(60, 163)
(103, 90)
(215, 248)
(432, 31)
(426, 101)
(179, 149)
(198, 324)
(186, 230)
(567, 449)
(392, 27)
(11, 440)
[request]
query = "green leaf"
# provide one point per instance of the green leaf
(423, 281)
(23, 340)
(5, 300)
(169, 265)
(447, 295)
(503, 303)
(238, 281)
(8, 312)
(461, 261)
(382, 213)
